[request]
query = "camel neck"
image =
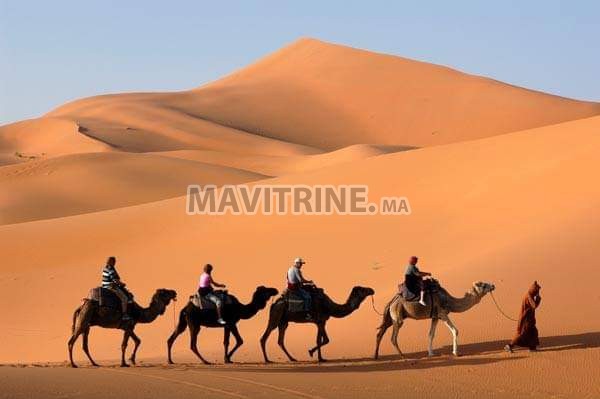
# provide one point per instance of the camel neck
(248, 310)
(149, 314)
(458, 305)
(343, 310)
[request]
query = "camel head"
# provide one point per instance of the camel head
(164, 296)
(263, 294)
(482, 288)
(361, 292)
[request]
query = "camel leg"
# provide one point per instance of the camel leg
(396, 329)
(239, 341)
(137, 342)
(194, 331)
(454, 332)
(312, 350)
(72, 341)
(281, 340)
(434, 323)
(226, 335)
(86, 333)
(181, 326)
(263, 340)
(382, 329)
(322, 340)
(80, 324)
(126, 336)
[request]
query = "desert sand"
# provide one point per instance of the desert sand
(501, 182)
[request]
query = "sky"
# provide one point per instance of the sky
(56, 51)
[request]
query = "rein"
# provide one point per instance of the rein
(374, 308)
(500, 309)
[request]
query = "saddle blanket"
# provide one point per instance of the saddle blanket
(105, 297)
(203, 303)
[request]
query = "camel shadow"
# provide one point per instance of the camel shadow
(419, 360)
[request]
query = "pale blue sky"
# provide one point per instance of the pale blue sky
(55, 51)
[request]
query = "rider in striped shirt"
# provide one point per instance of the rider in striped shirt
(112, 281)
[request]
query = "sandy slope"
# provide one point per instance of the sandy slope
(284, 165)
(90, 182)
(329, 96)
(473, 218)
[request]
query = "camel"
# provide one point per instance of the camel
(443, 304)
(323, 309)
(193, 317)
(90, 313)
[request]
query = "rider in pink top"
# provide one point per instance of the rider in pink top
(205, 289)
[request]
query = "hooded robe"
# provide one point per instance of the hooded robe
(527, 333)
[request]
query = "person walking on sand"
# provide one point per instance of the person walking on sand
(527, 332)
(205, 289)
(413, 279)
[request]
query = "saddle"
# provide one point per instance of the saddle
(432, 286)
(202, 303)
(105, 297)
(295, 302)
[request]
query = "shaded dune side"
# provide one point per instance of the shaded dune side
(91, 182)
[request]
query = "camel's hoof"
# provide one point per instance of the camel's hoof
(207, 363)
(171, 362)
(432, 354)
(456, 354)
(293, 360)
(95, 365)
(311, 353)
(124, 365)
(268, 361)
(323, 360)
(228, 361)
(74, 366)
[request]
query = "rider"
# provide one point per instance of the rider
(205, 289)
(295, 282)
(413, 278)
(112, 281)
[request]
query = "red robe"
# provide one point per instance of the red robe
(527, 333)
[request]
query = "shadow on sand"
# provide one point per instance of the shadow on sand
(419, 360)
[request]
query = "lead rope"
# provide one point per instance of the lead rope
(374, 308)
(500, 309)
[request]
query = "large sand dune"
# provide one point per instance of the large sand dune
(328, 96)
(501, 181)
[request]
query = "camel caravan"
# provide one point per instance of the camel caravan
(111, 305)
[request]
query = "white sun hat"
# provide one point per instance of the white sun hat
(299, 260)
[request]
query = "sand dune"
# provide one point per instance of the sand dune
(44, 138)
(473, 218)
(313, 96)
(81, 183)
(283, 165)
(330, 96)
